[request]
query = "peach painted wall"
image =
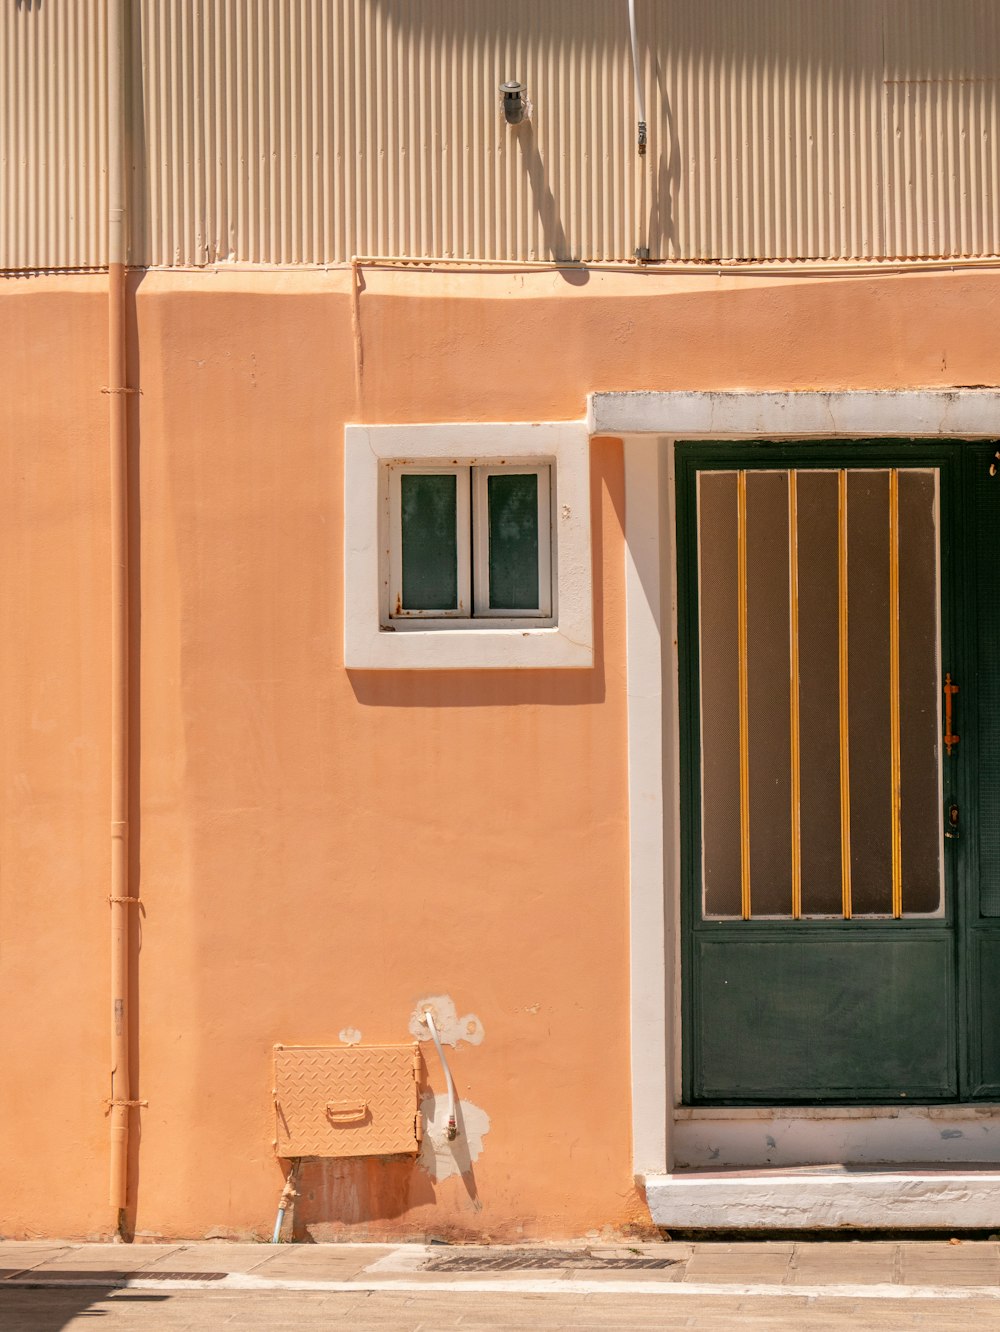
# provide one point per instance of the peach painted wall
(54, 951)
(317, 849)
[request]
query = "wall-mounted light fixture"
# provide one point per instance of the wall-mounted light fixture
(513, 102)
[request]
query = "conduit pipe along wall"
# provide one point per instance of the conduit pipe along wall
(120, 895)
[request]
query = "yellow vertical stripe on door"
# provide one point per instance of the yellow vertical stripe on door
(845, 757)
(741, 575)
(793, 703)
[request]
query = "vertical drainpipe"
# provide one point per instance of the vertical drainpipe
(118, 448)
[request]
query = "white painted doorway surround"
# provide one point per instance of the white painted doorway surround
(781, 1167)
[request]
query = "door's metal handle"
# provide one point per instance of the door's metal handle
(950, 739)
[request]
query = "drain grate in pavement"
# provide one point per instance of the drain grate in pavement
(547, 1261)
(155, 1274)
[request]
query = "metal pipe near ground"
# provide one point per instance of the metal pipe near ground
(121, 1090)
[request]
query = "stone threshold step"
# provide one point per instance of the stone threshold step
(831, 1197)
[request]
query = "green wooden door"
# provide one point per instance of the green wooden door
(842, 879)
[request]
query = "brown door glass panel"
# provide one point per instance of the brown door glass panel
(866, 600)
(869, 691)
(819, 732)
(768, 686)
(720, 707)
(920, 804)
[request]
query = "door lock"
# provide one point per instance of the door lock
(951, 823)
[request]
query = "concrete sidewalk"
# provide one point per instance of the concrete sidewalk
(773, 1285)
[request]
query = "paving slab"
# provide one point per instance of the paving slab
(108, 1257)
(759, 1268)
(975, 1264)
(745, 1246)
(20, 1248)
(207, 1258)
(16, 1260)
(818, 1264)
(329, 1262)
(44, 1310)
(936, 1248)
(24, 1310)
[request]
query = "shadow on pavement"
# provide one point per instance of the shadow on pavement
(46, 1307)
(49, 1300)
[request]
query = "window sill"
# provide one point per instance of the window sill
(468, 649)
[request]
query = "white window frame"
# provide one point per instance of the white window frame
(394, 608)
(472, 545)
(372, 641)
(481, 541)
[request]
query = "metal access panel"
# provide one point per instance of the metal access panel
(360, 1100)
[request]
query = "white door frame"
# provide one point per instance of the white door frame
(649, 423)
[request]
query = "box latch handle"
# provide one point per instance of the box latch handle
(346, 1112)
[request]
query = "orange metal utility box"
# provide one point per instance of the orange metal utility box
(360, 1100)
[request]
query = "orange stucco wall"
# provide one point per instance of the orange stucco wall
(315, 848)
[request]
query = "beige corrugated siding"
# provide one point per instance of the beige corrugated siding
(53, 134)
(942, 136)
(308, 131)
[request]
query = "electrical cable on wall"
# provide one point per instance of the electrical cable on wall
(642, 249)
(640, 96)
(452, 1122)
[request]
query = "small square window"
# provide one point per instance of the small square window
(469, 542)
(467, 546)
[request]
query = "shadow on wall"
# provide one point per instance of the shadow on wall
(477, 689)
(662, 233)
(339, 1194)
(543, 198)
(464, 1158)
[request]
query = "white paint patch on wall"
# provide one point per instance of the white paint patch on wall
(441, 1158)
(451, 1028)
(350, 1036)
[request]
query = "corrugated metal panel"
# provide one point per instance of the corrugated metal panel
(308, 131)
(53, 134)
(942, 134)
(767, 118)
